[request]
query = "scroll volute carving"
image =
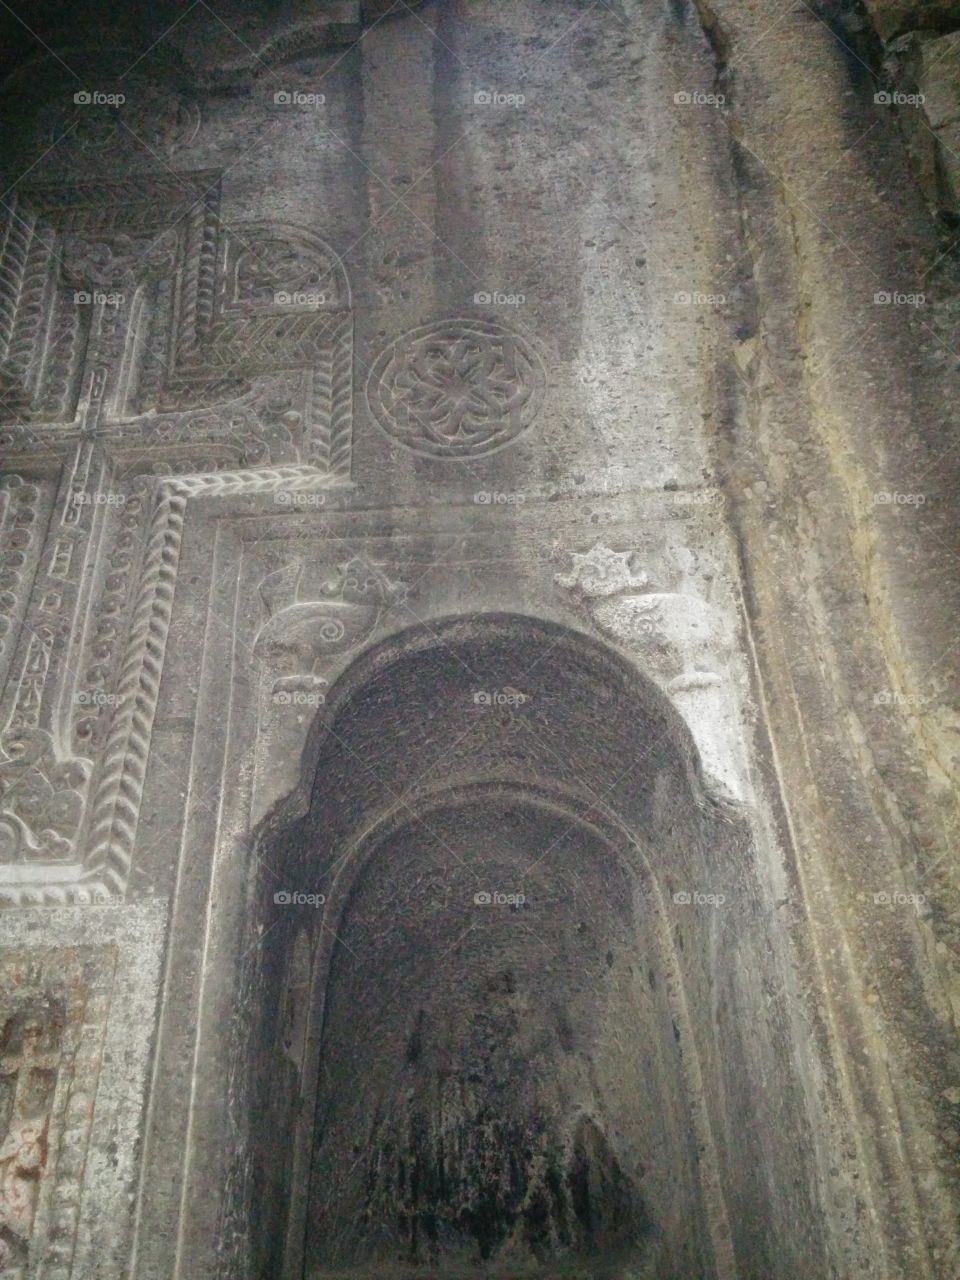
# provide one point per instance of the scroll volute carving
(680, 635)
(300, 633)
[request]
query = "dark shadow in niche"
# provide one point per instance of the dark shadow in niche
(469, 991)
(447, 1086)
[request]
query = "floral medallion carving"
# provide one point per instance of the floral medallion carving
(456, 388)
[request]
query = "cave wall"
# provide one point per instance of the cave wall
(328, 331)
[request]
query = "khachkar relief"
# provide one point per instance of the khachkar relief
(679, 638)
(150, 358)
(130, 299)
(53, 1013)
(457, 388)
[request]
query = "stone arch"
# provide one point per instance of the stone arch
(550, 734)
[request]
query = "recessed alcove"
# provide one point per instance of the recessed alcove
(522, 1111)
(504, 1044)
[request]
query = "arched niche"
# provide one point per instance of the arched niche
(577, 1112)
(523, 1111)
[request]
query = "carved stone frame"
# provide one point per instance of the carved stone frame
(261, 771)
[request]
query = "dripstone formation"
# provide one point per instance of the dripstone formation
(478, 596)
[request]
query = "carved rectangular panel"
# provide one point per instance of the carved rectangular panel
(129, 298)
(26, 501)
(143, 345)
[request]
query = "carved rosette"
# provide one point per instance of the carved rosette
(456, 389)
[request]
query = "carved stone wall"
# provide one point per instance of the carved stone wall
(428, 461)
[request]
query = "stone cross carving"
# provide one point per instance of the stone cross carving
(137, 335)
